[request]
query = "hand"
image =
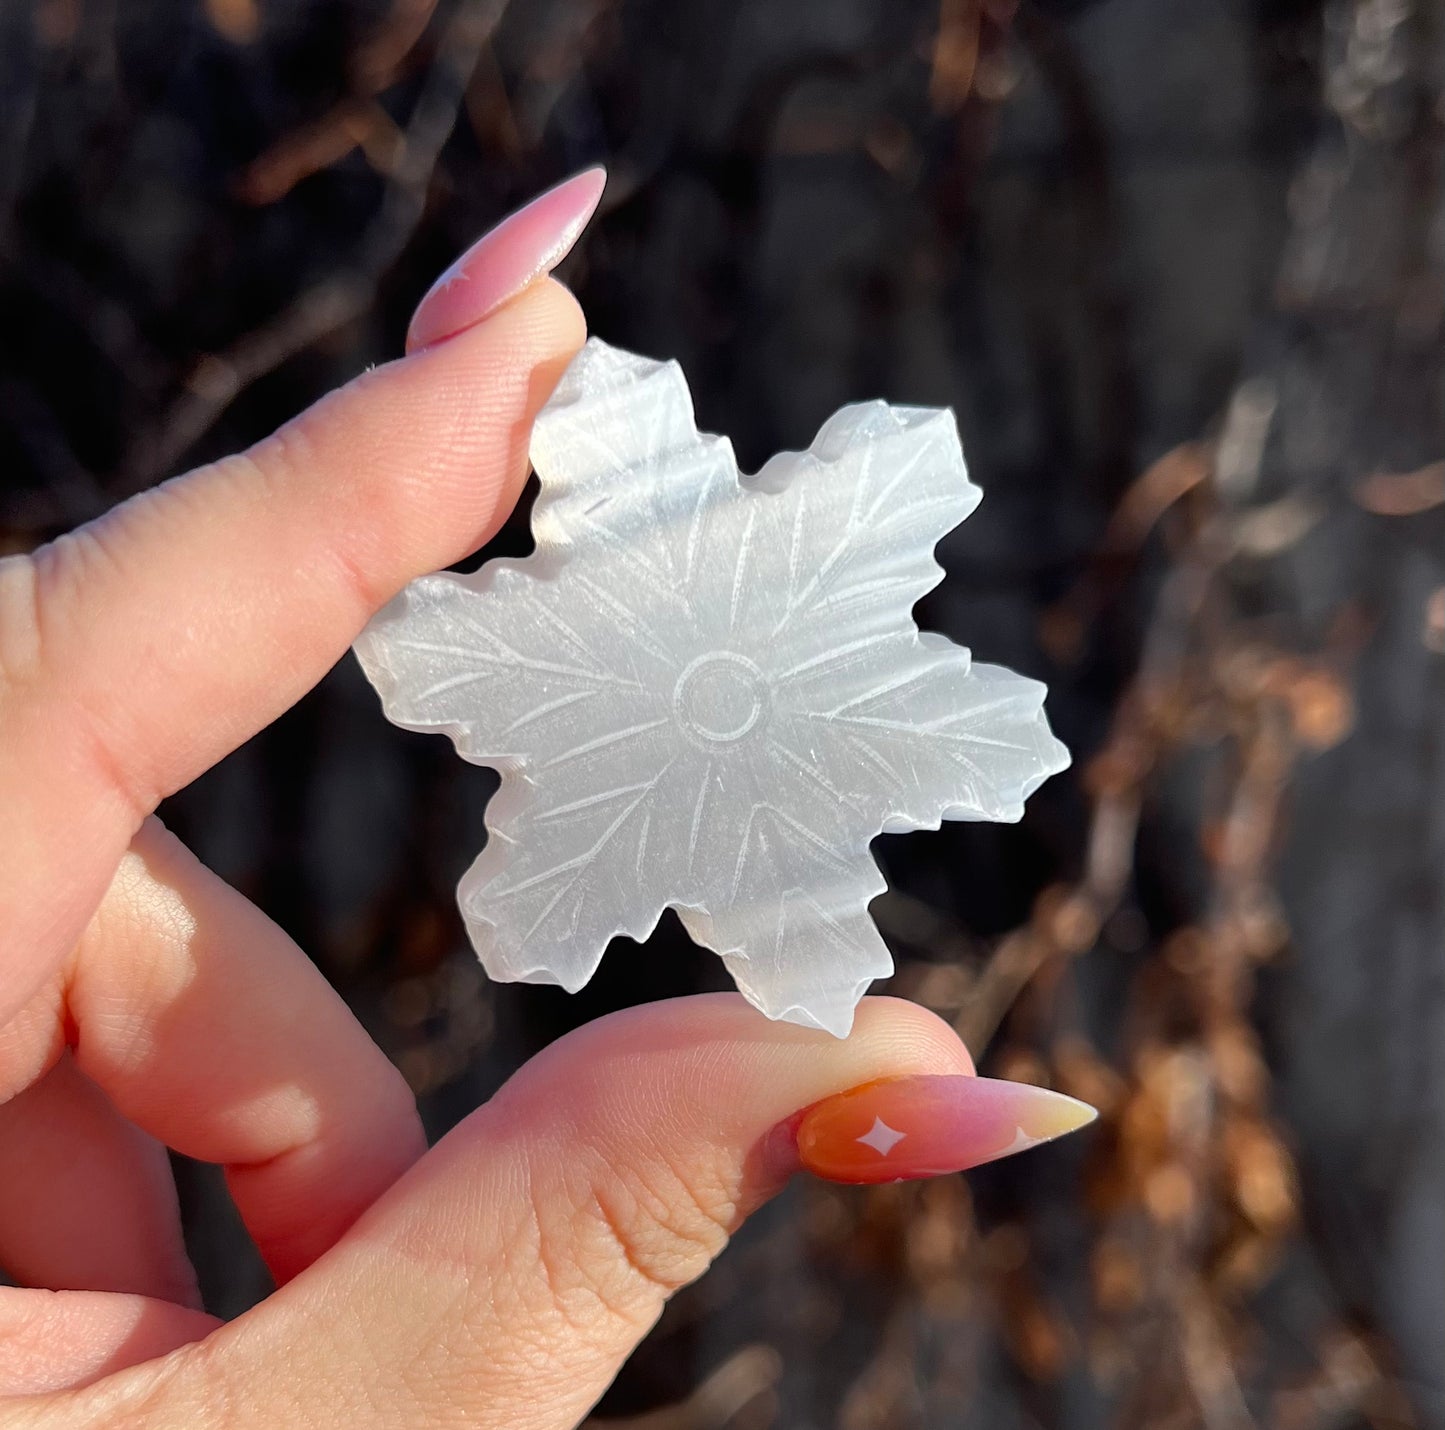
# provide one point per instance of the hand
(501, 1278)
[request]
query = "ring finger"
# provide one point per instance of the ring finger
(87, 1201)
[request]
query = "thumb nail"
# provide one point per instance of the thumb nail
(896, 1129)
(528, 243)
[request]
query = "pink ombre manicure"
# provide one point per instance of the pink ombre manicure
(522, 248)
(904, 1127)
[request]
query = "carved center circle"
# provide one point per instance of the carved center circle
(720, 697)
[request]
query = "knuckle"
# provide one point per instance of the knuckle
(628, 1242)
(42, 595)
(291, 458)
(279, 461)
(20, 646)
(42, 630)
(666, 1239)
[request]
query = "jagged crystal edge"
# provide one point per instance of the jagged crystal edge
(611, 472)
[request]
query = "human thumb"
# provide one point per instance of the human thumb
(504, 1280)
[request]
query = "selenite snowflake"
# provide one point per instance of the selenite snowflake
(707, 691)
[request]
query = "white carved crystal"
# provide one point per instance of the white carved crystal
(707, 691)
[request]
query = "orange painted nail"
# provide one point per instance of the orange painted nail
(896, 1129)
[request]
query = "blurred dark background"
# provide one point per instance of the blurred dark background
(1179, 266)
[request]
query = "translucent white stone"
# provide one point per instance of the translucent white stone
(707, 691)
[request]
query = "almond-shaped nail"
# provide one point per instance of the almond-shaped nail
(499, 265)
(900, 1128)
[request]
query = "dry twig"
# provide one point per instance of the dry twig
(219, 378)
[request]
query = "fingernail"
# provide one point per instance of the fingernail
(519, 250)
(899, 1128)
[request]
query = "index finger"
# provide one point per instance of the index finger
(137, 651)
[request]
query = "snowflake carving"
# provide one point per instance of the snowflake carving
(707, 691)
